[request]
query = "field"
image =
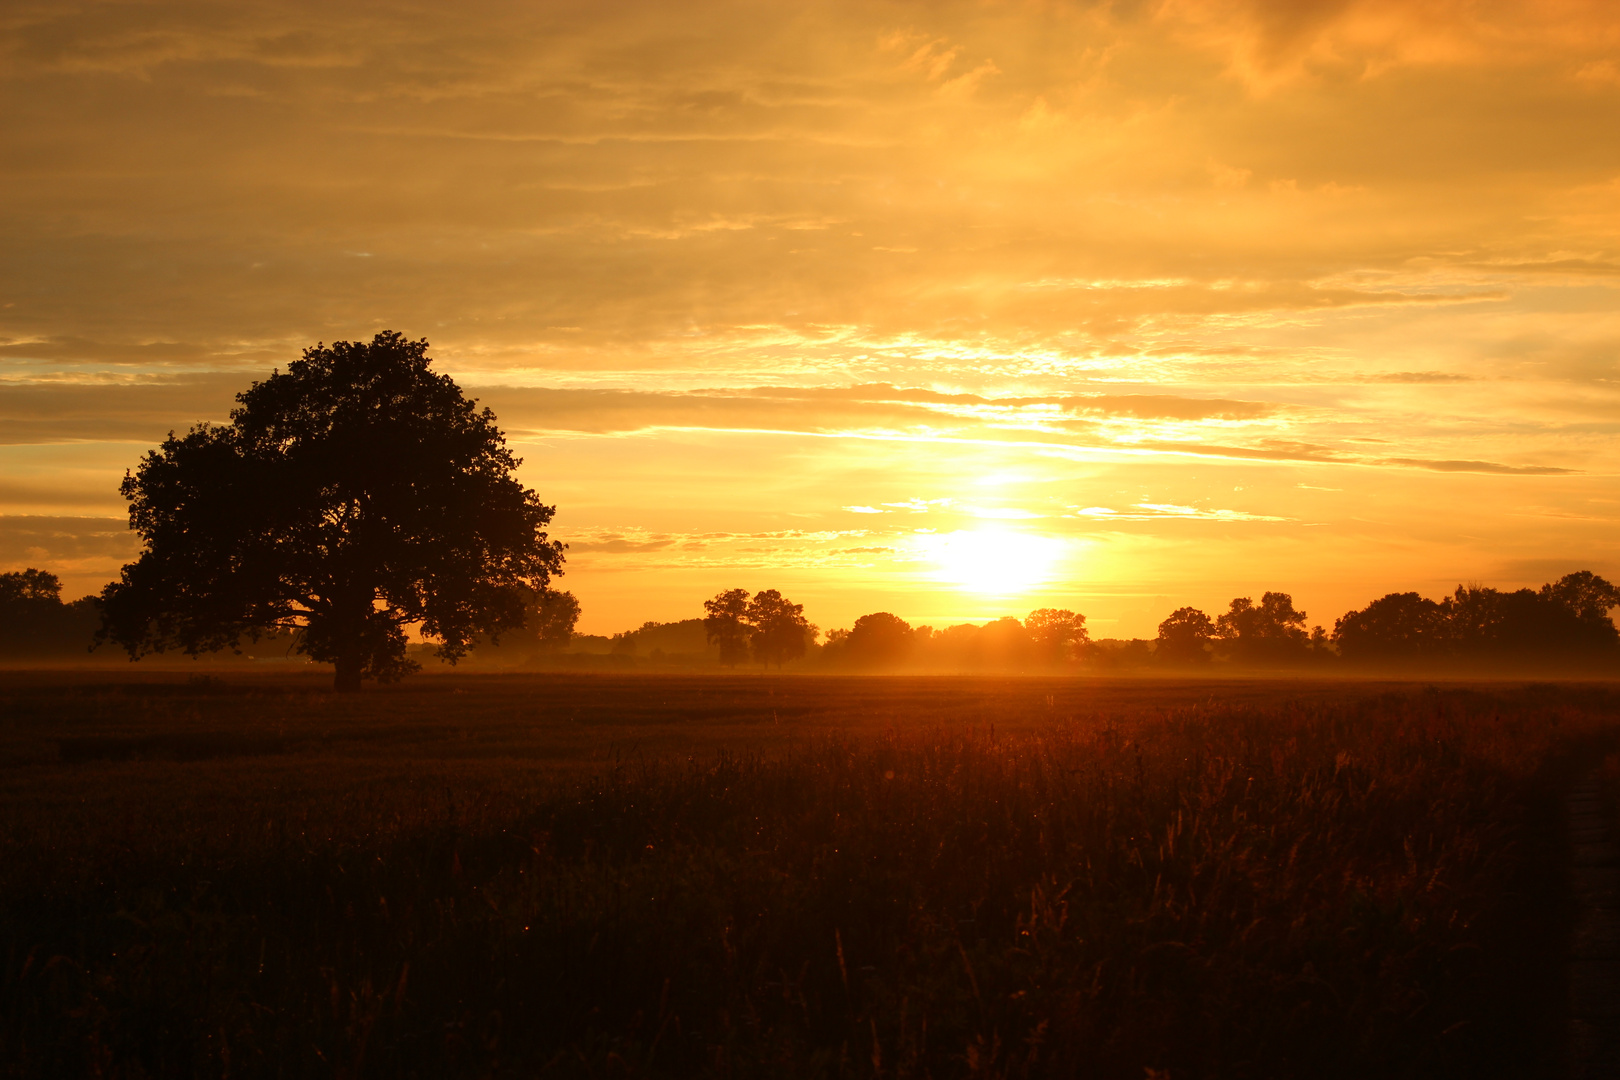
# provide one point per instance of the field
(764, 876)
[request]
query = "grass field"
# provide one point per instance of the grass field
(758, 876)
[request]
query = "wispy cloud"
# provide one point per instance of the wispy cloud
(1162, 511)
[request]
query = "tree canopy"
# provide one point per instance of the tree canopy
(879, 639)
(1270, 631)
(780, 630)
(1057, 633)
(1564, 622)
(767, 625)
(725, 623)
(352, 495)
(35, 622)
(1184, 637)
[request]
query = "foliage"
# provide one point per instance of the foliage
(1397, 626)
(549, 618)
(1184, 637)
(726, 624)
(354, 494)
(1588, 597)
(683, 641)
(30, 586)
(768, 626)
(879, 639)
(1342, 886)
(1057, 633)
(779, 630)
(35, 623)
(1271, 631)
(1565, 622)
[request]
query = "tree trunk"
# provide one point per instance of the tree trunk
(347, 678)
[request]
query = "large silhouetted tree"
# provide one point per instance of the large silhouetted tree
(355, 494)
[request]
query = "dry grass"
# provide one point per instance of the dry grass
(765, 877)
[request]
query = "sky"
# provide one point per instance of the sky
(948, 309)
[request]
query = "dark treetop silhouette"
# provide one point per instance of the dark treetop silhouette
(725, 624)
(770, 624)
(355, 494)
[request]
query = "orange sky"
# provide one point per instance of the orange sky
(952, 310)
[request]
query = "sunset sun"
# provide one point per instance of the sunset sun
(992, 561)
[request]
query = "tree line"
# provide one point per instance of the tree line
(1565, 623)
(34, 622)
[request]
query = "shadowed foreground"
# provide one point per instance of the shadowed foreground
(786, 878)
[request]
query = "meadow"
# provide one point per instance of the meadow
(572, 875)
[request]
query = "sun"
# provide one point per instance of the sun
(994, 562)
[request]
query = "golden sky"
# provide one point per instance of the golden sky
(947, 309)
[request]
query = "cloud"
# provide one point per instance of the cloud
(1481, 467)
(1169, 407)
(1542, 570)
(1419, 377)
(1267, 450)
(63, 539)
(85, 552)
(1271, 42)
(1145, 511)
(618, 545)
(831, 409)
(124, 410)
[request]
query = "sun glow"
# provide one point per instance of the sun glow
(995, 562)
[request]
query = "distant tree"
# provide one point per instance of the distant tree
(1270, 632)
(30, 586)
(1589, 598)
(1003, 642)
(1057, 633)
(725, 623)
(1565, 622)
(1558, 624)
(779, 629)
(1184, 637)
(353, 495)
(685, 641)
(1400, 626)
(553, 615)
(1473, 616)
(35, 622)
(549, 618)
(1116, 654)
(878, 639)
